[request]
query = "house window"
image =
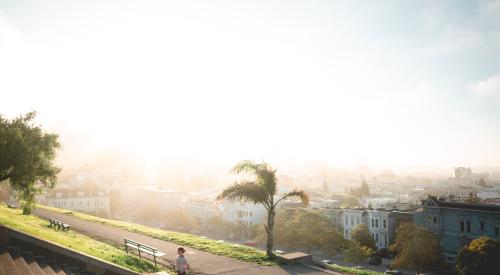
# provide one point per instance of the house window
(462, 226)
(497, 233)
(376, 237)
(376, 223)
(352, 221)
(429, 219)
(385, 223)
(357, 220)
(465, 241)
(385, 240)
(450, 259)
(481, 225)
(346, 223)
(435, 219)
(468, 226)
(373, 223)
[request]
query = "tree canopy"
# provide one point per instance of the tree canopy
(361, 235)
(356, 253)
(415, 247)
(260, 190)
(27, 154)
(294, 231)
(481, 256)
(362, 191)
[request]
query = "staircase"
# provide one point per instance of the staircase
(13, 261)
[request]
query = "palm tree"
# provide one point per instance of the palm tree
(260, 190)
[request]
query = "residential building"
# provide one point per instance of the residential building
(380, 225)
(335, 215)
(243, 212)
(386, 202)
(202, 209)
(461, 176)
(93, 201)
(458, 223)
(351, 218)
(398, 218)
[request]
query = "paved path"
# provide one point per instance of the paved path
(200, 261)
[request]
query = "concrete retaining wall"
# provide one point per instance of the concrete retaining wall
(91, 263)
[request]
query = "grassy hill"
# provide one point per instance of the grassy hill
(240, 252)
(35, 226)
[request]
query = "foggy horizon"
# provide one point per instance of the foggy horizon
(209, 85)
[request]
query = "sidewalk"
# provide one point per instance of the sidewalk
(200, 261)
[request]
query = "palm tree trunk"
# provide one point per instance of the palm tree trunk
(269, 230)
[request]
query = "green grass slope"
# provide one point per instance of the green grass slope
(240, 252)
(354, 271)
(39, 228)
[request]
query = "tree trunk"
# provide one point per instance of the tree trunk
(269, 230)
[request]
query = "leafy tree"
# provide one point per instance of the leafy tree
(179, 219)
(481, 256)
(356, 254)
(331, 241)
(362, 191)
(27, 153)
(350, 201)
(361, 235)
(415, 247)
(295, 230)
(472, 198)
(261, 190)
(483, 183)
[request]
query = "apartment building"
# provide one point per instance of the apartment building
(458, 223)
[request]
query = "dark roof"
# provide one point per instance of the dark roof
(69, 193)
(468, 206)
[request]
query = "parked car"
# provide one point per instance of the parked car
(375, 260)
(394, 272)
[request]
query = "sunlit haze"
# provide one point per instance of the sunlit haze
(381, 83)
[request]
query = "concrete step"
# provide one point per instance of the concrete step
(32, 263)
(57, 269)
(45, 266)
(65, 268)
(7, 263)
(21, 264)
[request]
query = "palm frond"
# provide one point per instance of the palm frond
(245, 166)
(302, 195)
(246, 191)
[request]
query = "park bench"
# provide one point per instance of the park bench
(144, 248)
(59, 224)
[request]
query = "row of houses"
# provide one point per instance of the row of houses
(455, 223)
(381, 223)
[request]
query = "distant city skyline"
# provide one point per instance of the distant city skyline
(385, 83)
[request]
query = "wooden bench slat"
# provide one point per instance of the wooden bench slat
(144, 248)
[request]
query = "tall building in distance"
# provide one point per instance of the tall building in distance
(461, 176)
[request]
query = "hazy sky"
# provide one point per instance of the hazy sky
(383, 82)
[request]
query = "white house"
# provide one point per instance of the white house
(351, 218)
(83, 200)
(380, 226)
(243, 212)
